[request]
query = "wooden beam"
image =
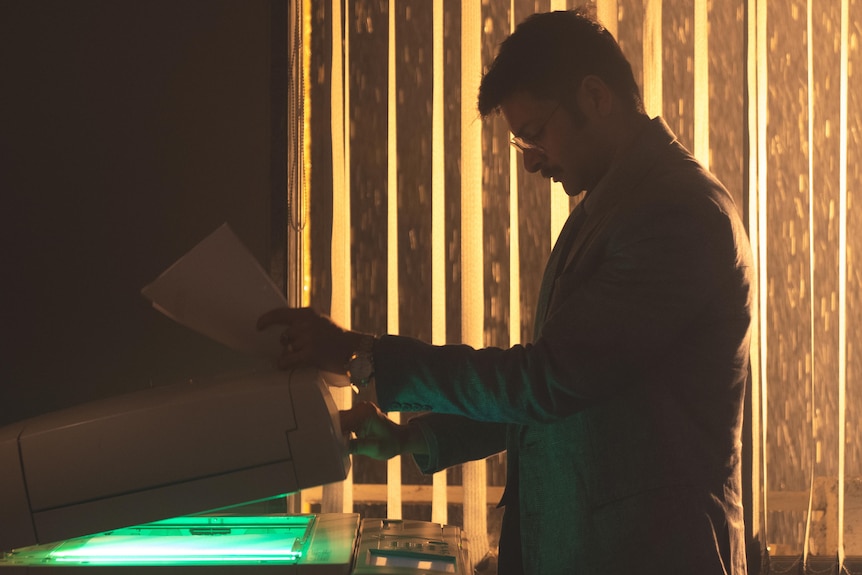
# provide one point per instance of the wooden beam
(376, 493)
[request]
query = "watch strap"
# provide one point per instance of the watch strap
(360, 367)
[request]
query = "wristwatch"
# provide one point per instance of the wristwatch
(360, 368)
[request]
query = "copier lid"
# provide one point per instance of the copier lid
(167, 452)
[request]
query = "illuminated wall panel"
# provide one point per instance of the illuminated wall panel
(853, 447)
(495, 188)
(452, 164)
(534, 207)
(824, 23)
(367, 28)
(677, 31)
(726, 57)
(630, 35)
(789, 327)
(368, 77)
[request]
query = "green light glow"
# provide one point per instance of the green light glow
(182, 548)
(198, 540)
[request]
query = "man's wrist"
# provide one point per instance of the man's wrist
(360, 365)
(346, 346)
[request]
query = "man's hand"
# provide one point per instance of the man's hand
(311, 339)
(377, 436)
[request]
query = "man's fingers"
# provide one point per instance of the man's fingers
(353, 420)
(373, 448)
(376, 435)
(367, 447)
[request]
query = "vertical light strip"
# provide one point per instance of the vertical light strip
(393, 466)
(305, 192)
(701, 82)
(842, 276)
(438, 185)
(439, 497)
(652, 45)
(758, 422)
(809, 31)
(762, 236)
(472, 265)
(345, 400)
(514, 232)
(340, 306)
(607, 12)
(338, 498)
(559, 200)
(472, 275)
(392, 323)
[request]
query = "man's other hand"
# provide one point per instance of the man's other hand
(379, 437)
(311, 339)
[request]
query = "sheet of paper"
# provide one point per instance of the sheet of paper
(219, 290)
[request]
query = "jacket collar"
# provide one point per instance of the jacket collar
(631, 166)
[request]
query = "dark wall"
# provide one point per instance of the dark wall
(129, 130)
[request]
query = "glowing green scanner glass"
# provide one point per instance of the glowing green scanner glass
(198, 540)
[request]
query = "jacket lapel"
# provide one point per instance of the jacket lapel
(615, 193)
(556, 262)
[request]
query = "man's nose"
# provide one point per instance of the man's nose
(533, 160)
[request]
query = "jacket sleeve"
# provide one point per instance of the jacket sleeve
(453, 439)
(623, 309)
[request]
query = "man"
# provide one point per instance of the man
(622, 419)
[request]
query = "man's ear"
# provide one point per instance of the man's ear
(596, 96)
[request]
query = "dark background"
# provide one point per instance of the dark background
(129, 131)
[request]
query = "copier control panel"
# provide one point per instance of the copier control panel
(399, 547)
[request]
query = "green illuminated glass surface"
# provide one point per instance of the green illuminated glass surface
(199, 540)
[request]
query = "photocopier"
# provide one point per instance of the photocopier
(148, 482)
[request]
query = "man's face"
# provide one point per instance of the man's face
(554, 141)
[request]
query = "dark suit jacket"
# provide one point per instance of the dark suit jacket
(622, 420)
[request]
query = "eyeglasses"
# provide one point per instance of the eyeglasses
(528, 143)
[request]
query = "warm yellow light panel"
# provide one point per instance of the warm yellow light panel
(393, 466)
(439, 499)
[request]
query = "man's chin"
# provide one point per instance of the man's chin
(568, 188)
(572, 191)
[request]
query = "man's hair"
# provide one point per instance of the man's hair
(548, 56)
